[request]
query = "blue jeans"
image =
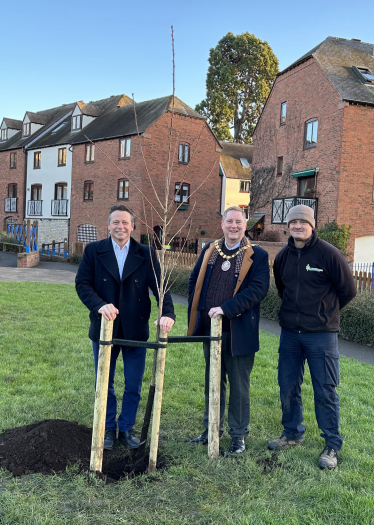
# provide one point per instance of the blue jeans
(320, 349)
(134, 366)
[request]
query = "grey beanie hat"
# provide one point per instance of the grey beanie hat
(301, 212)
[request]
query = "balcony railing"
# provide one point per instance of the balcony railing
(10, 205)
(59, 207)
(34, 207)
(281, 207)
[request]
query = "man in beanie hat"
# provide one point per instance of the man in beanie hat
(314, 282)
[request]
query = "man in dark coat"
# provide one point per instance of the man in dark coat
(230, 279)
(113, 281)
(314, 282)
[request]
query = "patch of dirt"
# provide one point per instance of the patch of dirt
(269, 464)
(49, 446)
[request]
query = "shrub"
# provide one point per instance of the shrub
(270, 236)
(74, 259)
(7, 238)
(179, 280)
(336, 235)
(271, 304)
(357, 319)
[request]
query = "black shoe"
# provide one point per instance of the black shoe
(237, 446)
(109, 438)
(203, 438)
(129, 439)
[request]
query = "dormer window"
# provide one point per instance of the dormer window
(364, 74)
(76, 122)
(4, 134)
(367, 74)
(26, 130)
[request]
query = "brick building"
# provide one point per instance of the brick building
(314, 143)
(20, 200)
(130, 159)
(76, 161)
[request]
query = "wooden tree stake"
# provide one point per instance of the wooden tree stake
(214, 388)
(101, 396)
(160, 371)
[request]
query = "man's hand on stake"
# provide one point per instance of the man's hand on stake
(109, 312)
(215, 312)
(166, 324)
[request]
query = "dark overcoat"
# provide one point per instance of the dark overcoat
(243, 309)
(98, 283)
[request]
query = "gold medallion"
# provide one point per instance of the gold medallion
(226, 266)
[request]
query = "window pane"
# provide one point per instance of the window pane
(122, 150)
(120, 189)
(186, 152)
(128, 144)
(309, 133)
(180, 157)
(92, 152)
(177, 193)
(315, 131)
(284, 112)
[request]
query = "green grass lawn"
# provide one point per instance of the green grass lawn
(45, 349)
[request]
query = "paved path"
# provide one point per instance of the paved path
(64, 273)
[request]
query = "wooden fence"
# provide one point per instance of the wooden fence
(188, 260)
(364, 281)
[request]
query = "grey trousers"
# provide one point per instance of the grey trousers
(238, 370)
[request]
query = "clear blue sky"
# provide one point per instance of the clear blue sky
(60, 52)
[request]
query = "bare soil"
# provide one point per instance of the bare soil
(49, 446)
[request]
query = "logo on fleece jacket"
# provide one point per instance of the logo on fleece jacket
(309, 269)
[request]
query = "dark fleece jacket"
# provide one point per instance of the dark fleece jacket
(314, 286)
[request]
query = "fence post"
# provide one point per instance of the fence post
(160, 371)
(53, 248)
(65, 248)
(36, 235)
(214, 387)
(28, 235)
(101, 396)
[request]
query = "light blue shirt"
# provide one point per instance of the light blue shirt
(121, 255)
(234, 247)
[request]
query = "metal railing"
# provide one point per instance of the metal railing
(59, 207)
(34, 207)
(280, 207)
(10, 204)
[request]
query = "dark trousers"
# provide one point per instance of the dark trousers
(321, 352)
(238, 370)
(134, 366)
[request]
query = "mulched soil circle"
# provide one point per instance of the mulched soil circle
(49, 446)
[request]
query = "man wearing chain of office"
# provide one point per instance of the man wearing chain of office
(230, 278)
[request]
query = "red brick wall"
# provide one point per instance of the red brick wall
(12, 176)
(309, 95)
(204, 161)
(27, 260)
(356, 206)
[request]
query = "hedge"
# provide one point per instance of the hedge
(356, 319)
